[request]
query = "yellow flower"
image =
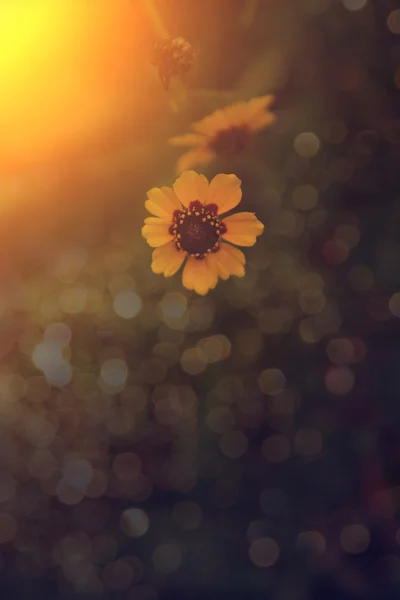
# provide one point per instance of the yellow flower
(225, 132)
(188, 225)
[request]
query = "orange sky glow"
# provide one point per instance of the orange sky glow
(62, 69)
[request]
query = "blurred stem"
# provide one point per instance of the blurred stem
(249, 13)
(174, 105)
(178, 94)
(155, 17)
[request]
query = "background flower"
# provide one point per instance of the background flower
(173, 57)
(226, 132)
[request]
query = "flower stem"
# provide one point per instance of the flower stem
(178, 95)
(249, 13)
(155, 17)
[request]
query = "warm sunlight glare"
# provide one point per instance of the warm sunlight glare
(62, 64)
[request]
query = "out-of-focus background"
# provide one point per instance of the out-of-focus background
(156, 444)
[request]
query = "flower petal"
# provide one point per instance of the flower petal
(250, 113)
(225, 192)
(167, 260)
(229, 261)
(156, 221)
(156, 232)
(242, 229)
(188, 139)
(212, 123)
(261, 102)
(200, 275)
(198, 156)
(237, 114)
(191, 186)
(162, 202)
(262, 120)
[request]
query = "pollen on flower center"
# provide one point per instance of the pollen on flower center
(228, 142)
(197, 230)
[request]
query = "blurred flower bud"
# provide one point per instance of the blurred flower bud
(173, 57)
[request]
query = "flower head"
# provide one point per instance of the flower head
(173, 57)
(225, 132)
(188, 226)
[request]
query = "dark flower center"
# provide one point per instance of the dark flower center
(197, 230)
(228, 142)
